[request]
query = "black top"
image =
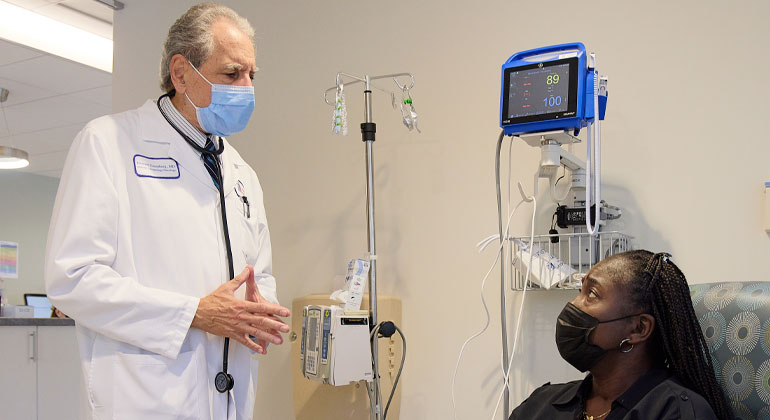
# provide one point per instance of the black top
(656, 395)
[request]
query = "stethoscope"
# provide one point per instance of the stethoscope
(223, 381)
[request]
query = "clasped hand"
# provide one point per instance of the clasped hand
(221, 313)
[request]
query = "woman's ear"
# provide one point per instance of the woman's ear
(643, 329)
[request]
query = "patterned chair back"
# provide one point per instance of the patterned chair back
(735, 318)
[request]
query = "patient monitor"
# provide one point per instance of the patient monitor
(550, 88)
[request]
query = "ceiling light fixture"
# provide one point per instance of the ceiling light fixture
(26, 27)
(10, 157)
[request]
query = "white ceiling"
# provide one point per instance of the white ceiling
(51, 98)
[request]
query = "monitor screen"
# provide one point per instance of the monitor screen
(540, 91)
(41, 304)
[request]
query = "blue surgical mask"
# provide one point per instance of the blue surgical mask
(229, 111)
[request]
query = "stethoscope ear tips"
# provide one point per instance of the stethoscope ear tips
(224, 382)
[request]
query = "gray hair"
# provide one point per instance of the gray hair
(191, 37)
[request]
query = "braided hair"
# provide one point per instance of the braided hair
(657, 286)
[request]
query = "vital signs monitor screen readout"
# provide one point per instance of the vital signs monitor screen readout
(538, 91)
(541, 91)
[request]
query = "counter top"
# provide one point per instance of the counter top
(21, 322)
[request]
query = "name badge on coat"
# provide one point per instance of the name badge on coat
(150, 167)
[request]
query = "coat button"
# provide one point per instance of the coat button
(684, 396)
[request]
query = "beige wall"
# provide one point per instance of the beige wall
(684, 154)
(26, 202)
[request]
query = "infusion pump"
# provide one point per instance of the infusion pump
(335, 346)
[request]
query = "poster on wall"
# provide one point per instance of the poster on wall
(9, 260)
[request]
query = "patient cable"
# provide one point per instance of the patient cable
(594, 144)
(503, 239)
(482, 245)
(507, 373)
(387, 329)
(486, 309)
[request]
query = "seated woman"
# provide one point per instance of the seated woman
(634, 329)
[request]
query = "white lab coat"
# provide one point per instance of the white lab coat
(129, 258)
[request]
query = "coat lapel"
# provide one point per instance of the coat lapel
(156, 129)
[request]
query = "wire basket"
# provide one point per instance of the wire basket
(561, 260)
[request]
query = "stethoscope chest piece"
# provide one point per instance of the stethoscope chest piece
(224, 382)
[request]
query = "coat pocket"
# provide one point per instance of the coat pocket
(153, 387)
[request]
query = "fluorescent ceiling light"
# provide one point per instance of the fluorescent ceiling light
(26, 27)
(11, 158)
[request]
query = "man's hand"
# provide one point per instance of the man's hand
(221, 313)
(253, 295)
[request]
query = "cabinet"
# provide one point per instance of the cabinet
(18, 373)
(39, 373)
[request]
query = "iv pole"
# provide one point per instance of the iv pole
(368, 130)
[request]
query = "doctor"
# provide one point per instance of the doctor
(139, 253)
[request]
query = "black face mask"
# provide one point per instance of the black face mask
(572, 329)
